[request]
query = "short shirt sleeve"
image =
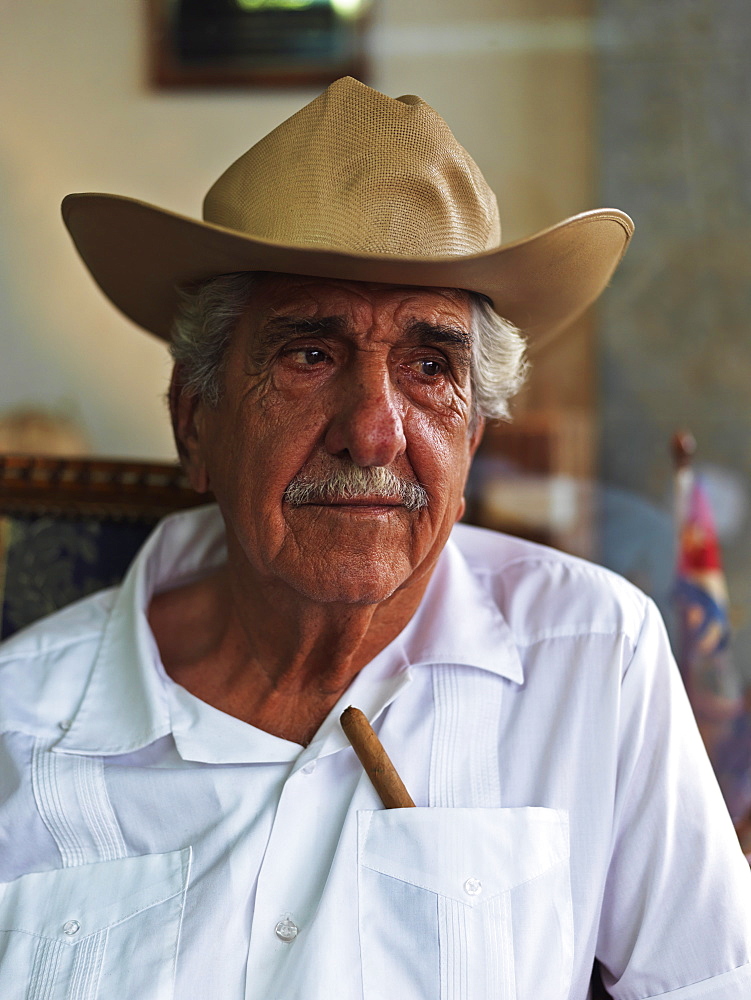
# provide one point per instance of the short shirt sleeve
(676, 918)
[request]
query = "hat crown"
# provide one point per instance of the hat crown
(359, 172)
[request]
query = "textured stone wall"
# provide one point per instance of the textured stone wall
(675, 349)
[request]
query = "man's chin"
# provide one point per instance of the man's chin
(361, 555)
(350, 588)
(349, 575)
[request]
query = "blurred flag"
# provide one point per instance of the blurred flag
(705, 657)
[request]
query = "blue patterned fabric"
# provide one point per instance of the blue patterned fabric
(48, 562)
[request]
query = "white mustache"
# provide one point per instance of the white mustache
(353, 482)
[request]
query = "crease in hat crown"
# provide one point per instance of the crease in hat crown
(363, 173)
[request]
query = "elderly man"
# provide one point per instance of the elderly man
(183, 815)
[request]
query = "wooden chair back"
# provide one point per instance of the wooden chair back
(69, 526)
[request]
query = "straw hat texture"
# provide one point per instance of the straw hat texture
(355, 185)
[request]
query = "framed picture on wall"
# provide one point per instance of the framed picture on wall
(239, 43)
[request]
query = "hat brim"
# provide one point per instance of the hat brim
(140, 255)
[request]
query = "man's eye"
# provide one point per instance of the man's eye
(429, 367)
(308, 355)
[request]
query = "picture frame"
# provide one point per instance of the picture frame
(255, 43)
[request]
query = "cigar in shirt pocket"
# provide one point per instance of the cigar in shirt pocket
(375, 760)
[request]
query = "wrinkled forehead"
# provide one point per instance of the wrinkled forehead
(306, 296)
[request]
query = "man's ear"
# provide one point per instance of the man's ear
(474, 441)
(476, 435)
(185, 412)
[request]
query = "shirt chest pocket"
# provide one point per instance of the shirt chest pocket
(94, 932)
(465, 904)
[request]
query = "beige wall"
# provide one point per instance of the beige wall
(512, 79)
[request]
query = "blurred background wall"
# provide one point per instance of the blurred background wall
(674, 338)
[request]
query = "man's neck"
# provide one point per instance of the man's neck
(268, 656)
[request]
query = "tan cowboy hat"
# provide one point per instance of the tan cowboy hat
(355, 185)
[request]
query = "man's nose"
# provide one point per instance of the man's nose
(367, 422)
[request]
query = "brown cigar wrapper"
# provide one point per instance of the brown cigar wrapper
(375, 760)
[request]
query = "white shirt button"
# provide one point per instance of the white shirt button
(309, 767)
(65, 725)
(71, 927)
(473, 887)
(286, 930)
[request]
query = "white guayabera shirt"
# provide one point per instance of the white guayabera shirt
(152, 847)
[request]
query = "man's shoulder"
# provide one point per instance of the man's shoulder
(44, 667)
(543, 592)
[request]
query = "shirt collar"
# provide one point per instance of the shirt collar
(182, 547)
(202, 733)
(457, 622)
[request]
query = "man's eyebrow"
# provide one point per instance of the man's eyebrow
(278, 330)
(440, 333)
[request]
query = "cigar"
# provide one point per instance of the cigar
(375, 760)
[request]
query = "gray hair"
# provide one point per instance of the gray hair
(209, 312)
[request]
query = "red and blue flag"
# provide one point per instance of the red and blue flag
(705, 656)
